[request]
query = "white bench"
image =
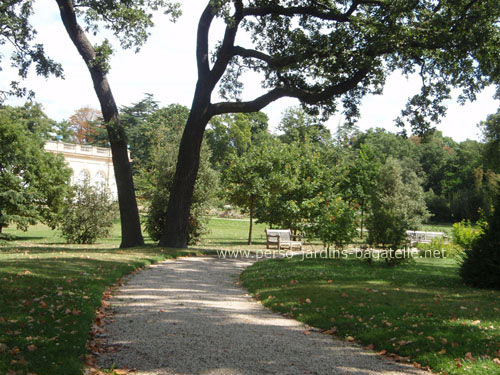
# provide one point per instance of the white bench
(283, 238)
(415, 236)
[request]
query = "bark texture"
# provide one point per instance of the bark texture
(129, 213)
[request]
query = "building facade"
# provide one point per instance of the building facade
(87, 162)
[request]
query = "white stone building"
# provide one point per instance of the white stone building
(87, 162)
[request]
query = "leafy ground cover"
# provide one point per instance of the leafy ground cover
(49, 295)
(419, 313)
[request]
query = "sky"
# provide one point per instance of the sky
(166, 68)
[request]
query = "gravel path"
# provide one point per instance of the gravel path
(190, 317)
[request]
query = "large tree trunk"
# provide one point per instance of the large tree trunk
(129, 213)
(176, 227)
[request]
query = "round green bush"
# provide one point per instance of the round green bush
(88, 215)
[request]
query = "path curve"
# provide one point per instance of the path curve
(189, 316)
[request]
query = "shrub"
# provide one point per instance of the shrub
(336, 225)
(464, 234)
(480, 265)
(448, 250)
(88, 215)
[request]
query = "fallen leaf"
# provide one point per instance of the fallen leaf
(32, 348)
(382, 352)
(306, 332)
(468, 355)
(308, 300)
(442, 351)
(369, 347)
(121, 372)
(350, 339)
(497, 361)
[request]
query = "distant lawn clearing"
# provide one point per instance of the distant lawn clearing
(420, 311)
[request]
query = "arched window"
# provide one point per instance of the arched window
(100, 179)
(84, 176)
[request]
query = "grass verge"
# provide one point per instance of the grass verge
(49, 295)
(420, 313)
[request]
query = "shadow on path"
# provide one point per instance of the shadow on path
(190, 317)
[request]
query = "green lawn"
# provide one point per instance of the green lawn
(233, 233)
(446, 228)
(420, 311)
(50, 292)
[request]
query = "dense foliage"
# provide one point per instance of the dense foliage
(33, 182)
(157, 172)
(397, 205)
(481, 265)
(88, 214)
(336, 223)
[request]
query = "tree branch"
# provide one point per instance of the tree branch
(202, 40)
(305, 96)
(226, 53)
(273, 62)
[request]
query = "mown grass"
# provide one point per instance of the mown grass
(233, 233)
(50, 292)
(420, 311)
(439, 227)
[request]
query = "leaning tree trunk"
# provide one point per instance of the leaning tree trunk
(175, 233)
(129, 213)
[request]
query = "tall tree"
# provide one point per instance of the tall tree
(135, 120)
(325, 52)
(84, 123)
(397, 205)
(246, 179)
(129, 21)
(299, 126)
(33, 183)
(155, 177)
(234, 135)
(360, 180)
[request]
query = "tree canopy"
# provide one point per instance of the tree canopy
(33, 182)
(329, 55)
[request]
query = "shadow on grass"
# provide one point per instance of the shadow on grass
(420, 310)
(49, 296)
(204, 316)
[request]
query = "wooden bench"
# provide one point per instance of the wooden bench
(283, 238)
